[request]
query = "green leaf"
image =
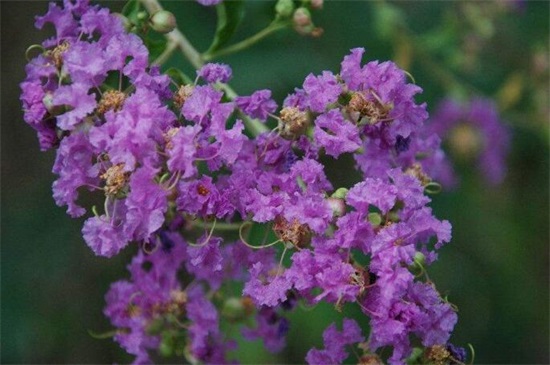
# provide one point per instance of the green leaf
(178, 76)
(415, 357)
(230, 14)
(155, 47)
(131, 10)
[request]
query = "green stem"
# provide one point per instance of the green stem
(271, 28)
(170, 48)
(176, 39)
(220, 226)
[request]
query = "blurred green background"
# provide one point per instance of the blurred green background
(496, 268)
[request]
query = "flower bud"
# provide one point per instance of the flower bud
(163, 21)
(317, 4)
(375, 219)
(420, 258)
(340, 193)
(337, 205)
(284, 8)
(235, 309)
(301, 18)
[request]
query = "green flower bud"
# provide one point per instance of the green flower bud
(142, 15)
(163, 21)
(302, 18)
(284, 8)
(234, 309)
(420, 258)
(375, 219)
(340, 193)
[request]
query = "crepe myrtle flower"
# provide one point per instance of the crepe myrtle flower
(473, 130)
(169, 165)
(335, 343)
(215, 72)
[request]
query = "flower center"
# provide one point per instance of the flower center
(115, 179)
(202, 190)
(373, 110)
(293, 122)
(183, 93)
(57, 53)
(111, 100)
(294, 232)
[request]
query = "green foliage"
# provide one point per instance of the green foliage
(230, 15)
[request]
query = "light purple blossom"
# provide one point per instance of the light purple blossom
(321, 90)
(258, 105)
(335, 342)
(215, 72)
(335, 134)
(475, 129)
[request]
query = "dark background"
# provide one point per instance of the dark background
(495, 269)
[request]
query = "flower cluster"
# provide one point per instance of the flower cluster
(173, 165)
(473, 131)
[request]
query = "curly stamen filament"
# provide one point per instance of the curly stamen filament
(280, 269)
(106, 207)
(113, 215)
(175, 182)
(147, 251)
(248, 244)
(207, 239)
(368, 310)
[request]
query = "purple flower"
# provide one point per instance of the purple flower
(321, 90)
(215, 72)
(63, 21)
(146, 205)
(265, 289)
(474, 129)
(372, 192)
(382, 97)
(103, 236)
(79, 101)
(74, 166)
(203, 99)
(202, 197)
(335, 134)
(181, 151)
(131, 135)
(86, 64)
(335, 343)
(270, 327)
(258, 105)
(206, 261)
(206, 341)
